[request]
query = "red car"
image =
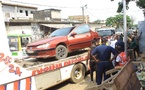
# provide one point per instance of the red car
(62, 41)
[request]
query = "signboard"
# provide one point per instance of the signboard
(79, 17)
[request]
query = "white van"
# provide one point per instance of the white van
(107, 32)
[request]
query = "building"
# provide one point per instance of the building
(47, 15)
(17, 11)
(26, 19)
(18, 17)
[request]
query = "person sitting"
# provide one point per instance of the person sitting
(121, 58)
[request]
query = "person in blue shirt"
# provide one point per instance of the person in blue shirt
(120, 42)
(102, 55)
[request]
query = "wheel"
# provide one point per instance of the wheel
(61, 52)
(77, 73)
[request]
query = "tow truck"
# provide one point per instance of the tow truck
(32, 74)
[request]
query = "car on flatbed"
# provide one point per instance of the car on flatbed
(62, 41)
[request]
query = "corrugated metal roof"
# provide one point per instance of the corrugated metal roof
(56, 25)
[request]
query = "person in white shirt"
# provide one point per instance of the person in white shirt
(114, 41)
(113, 45)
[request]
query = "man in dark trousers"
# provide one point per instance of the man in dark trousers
(90, 62)
(102, 54)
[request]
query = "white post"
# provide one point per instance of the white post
(144, 13)
(125, 25)
(4, 47)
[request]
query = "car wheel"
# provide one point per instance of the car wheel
(61, 52)
(77, 73)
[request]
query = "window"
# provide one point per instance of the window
(31, 12)
(82, 29)
(26, 13)
(21, 11)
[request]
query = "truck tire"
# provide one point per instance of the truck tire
(61, 52)
(77, 73)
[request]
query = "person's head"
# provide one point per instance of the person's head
(95, 42)
(27, 39)
(103, 40)
(115, 37)
(119, 37)
(119, 49)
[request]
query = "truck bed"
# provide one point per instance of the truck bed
(33, 63)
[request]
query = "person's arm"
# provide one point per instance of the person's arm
(117, 61)
(114, 53)
(114, 57)
(139, 35)
(89, 53)
(94, 57)
(94, 54)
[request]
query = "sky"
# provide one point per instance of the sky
(96, 9)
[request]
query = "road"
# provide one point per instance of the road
(71, 86)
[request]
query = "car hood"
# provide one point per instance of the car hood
(46, 40)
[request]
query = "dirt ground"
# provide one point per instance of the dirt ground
(71, 86)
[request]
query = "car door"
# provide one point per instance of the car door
(79, 37)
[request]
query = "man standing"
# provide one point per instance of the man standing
(120, 42)
(101, 54)
(90, 62)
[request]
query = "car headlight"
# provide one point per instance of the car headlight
(43, 46)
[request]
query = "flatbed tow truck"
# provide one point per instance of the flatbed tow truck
(32, 74)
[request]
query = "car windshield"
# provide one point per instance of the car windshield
(61, 32)
(104, 32)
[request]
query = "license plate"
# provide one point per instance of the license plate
(30, 51)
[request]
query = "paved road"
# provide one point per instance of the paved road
(70, 86)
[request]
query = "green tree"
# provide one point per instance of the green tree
(117, 21)
(110, 22)
(141, 4)
(97, 21)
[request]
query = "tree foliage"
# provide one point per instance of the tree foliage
(97, 21)
(117, 21)
(141, 4)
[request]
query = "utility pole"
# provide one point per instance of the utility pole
(144, 13)
(125, 25)
(83, 15)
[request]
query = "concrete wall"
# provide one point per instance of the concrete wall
(41, 15)
(19, 29)
(46, 15)
(55, 14)
(16, 12)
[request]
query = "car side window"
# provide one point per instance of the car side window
(82, 29)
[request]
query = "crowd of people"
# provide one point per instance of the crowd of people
(104, 57)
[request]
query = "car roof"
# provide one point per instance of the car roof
(106, 29)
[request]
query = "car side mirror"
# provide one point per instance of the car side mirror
(73, 33)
